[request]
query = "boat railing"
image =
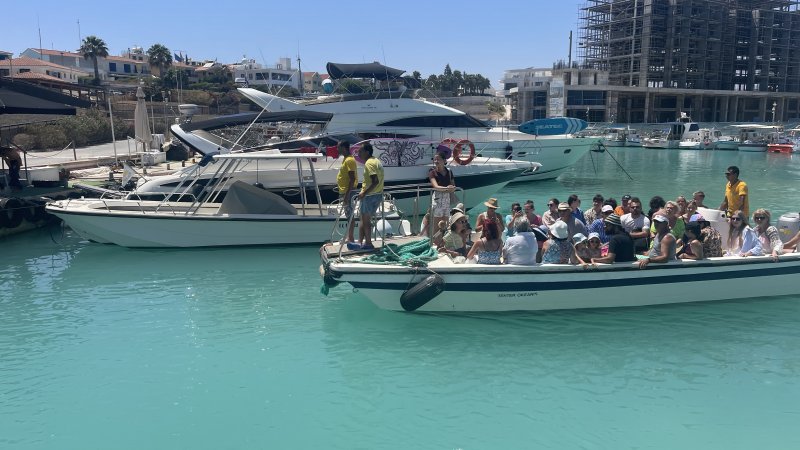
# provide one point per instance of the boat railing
(339, 234)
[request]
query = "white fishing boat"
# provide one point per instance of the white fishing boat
(622, 137)
(706, 140)
(684, 129)
(442, 285)
(726, 142)
(756, 137)
(248, 215)
(400, 113)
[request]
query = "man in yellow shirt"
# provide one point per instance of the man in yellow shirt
(347, 179)
(736, 197)
(371, 193)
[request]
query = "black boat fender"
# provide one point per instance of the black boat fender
(421, 293)
(11, 213)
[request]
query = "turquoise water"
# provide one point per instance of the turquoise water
(105, 347)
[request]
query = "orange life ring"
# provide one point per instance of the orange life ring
(457, 152)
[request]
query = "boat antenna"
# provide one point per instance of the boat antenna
(300, 71)
(386, 72)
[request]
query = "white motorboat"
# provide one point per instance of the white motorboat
(405, 161)
(247, 215)
(444, 286)
(398, 114)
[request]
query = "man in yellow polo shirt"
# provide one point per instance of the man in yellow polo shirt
(347, 179)
(371, 193)
(736, 197)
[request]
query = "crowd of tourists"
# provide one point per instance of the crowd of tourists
(609, 231)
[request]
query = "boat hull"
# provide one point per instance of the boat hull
(171, 229)
(478, 181)
(516, 288)
(782, 148)
(753, 148)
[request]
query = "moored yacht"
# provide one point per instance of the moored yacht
(405, 161)
(401, 113)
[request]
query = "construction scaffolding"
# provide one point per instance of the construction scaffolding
(734, 45)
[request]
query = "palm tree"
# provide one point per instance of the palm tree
(159, 56)
(92, 48)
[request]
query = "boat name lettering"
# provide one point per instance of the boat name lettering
(517, 294)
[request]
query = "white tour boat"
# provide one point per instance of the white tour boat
(444, 286)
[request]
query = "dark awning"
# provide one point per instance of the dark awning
(369, 70)
(24, 98)
(244, 118)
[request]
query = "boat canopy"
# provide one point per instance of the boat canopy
(245, 118)
(368, 70)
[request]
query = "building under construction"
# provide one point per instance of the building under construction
(719, 60)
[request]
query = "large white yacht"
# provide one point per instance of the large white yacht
(400, 113)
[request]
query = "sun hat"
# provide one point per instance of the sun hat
(594, 236)
(491, 203)
(660, 218)
(559, 230)
(578, 238)
(626, 197)
(613, 219)
(697, 218)
(458, 208)
(455, 218)
(607, 208)
(563, 206)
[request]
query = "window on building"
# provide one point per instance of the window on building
(112, 67)
(586, 98)
(540, 98)
(126, 68)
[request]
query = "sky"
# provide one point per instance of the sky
(472, 36)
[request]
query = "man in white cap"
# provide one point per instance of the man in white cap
(620, 244)
(664, 243)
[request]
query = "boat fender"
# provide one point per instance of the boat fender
(422, 292)
(457, 157)
(509, 151)
(28, 209)
(11, 214)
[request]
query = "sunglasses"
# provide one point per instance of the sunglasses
(594, 241)
(759, 217)
(736, 219)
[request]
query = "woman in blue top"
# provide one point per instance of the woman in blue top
(558, 249)
(489, 248)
